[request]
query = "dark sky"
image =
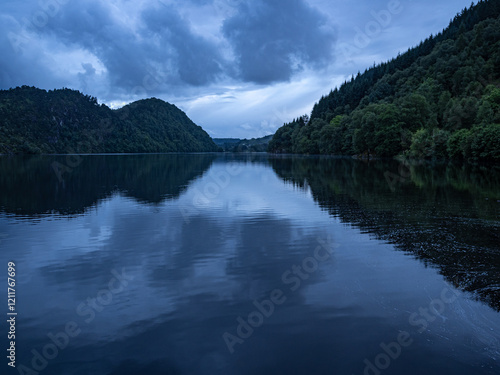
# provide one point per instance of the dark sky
(238, 68)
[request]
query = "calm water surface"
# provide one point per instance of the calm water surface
(217, 264)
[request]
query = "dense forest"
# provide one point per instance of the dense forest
(34, 121)
(439, 100)
(243, 145)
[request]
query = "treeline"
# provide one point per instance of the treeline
(243, 145)
(440, 99)
(35, 121)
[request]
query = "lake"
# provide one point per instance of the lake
(250, 264)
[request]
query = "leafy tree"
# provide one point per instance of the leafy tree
(422, 103)
(66, 121)
(458, 146)
(486, 143)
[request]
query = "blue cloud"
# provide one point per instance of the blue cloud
(273, 39)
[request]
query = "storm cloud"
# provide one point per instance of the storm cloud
(268, 41)
(238, 68)
(272, 41)
(153, 50)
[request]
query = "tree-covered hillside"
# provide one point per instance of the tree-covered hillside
(65, 121)
(440, 99)
(243, 145)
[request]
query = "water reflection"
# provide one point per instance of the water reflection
(196, 258)
(446, 215)
(35, 185)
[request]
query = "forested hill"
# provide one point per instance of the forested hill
(66, 121)
(243, 145)
(440, 99)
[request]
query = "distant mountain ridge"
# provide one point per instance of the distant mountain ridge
(244, 145)
(439, 100)
(36, 121)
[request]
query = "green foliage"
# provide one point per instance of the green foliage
(416, 112)
(285, 139)
(458, 146)
(421, 144)
(64, 121)
(422, 103)
(244, 145)
(486, 143)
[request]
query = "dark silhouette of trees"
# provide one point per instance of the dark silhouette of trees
(65, 121)
(440, 99)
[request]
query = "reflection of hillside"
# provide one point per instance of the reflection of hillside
(447, 216)
(29, 185)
